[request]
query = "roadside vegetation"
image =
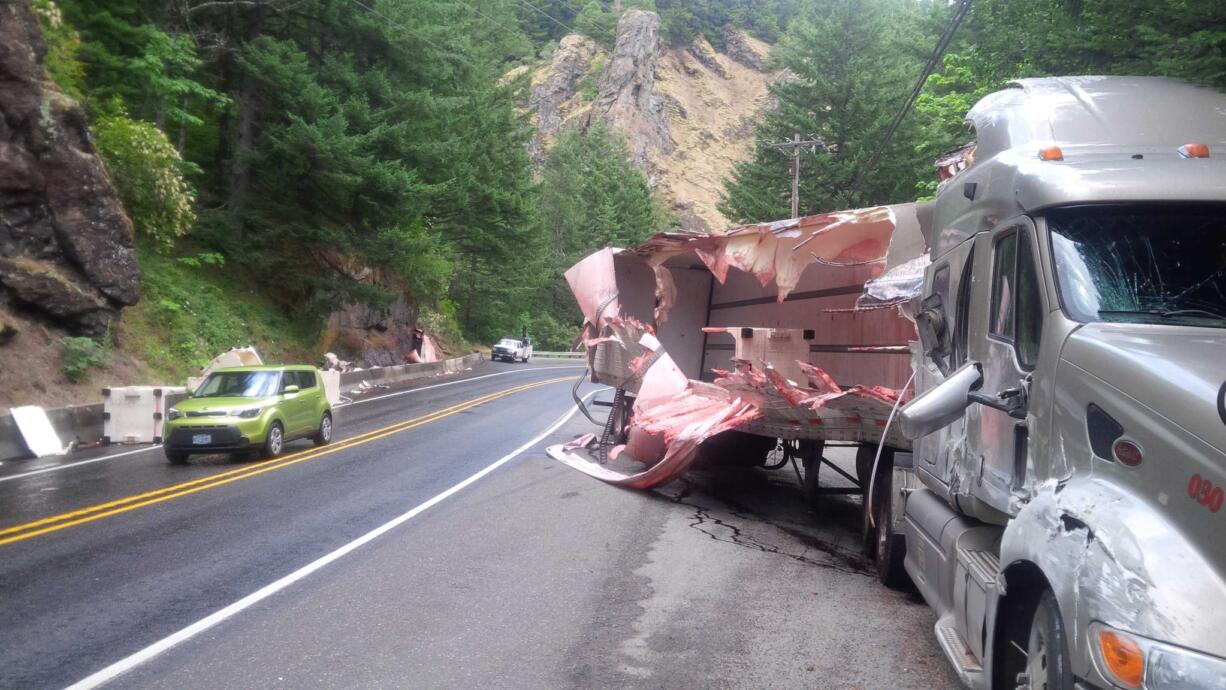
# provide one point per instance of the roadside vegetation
(280, 159)
(846, 91)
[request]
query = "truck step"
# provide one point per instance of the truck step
(969, 670)
(982, 565)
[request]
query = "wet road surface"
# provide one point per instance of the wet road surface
(531, 575)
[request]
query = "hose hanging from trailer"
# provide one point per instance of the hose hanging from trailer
(872, 477)
(574, 393)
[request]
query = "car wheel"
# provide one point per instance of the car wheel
(323, 436)
(175, 458)
(1047, 655)
(274, 440)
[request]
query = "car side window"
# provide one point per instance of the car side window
(1004, 268)
(306, 379)
(288, 378)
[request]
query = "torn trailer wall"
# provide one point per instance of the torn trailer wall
(823, 354)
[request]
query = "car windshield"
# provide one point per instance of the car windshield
(509, 342)
(1142, 263)
(239, 384)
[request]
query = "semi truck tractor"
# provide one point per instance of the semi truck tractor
(1062, 510)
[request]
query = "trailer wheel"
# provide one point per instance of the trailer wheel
(891, 547)
(811, 457)
(865, 457)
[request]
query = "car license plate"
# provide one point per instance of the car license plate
(202, 439)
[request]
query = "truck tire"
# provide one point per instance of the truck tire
(890, 547)
(175, 458)
(1047, 654)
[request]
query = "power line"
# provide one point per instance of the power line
(488, 19)
(569, 29)
(547, 16)
(420, 36)
(933, 61)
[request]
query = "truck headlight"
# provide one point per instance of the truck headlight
(1132, 661)
(249, 414)
(172, 414)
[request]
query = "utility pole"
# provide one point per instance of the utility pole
(796, 144)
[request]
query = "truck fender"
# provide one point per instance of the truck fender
(1109, 555)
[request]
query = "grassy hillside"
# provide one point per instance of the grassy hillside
(195, 308)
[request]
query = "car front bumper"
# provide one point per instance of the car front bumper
(224, 436)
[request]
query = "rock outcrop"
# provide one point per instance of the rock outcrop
(627, 99)
(369, 336)
(66, 250)
(686, 112)
(555, 90)
(741, 48)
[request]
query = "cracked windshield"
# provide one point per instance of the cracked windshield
(1142, 263)
(839, 344)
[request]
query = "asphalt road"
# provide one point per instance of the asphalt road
(384, 562)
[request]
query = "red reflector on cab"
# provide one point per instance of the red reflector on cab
(1194, 150)
(1127, 453)
(1052, 153)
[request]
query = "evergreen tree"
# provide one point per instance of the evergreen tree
(844, 92)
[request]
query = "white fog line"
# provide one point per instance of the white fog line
(78, 463)
(71, 465)
(128, 663)
(453, 383)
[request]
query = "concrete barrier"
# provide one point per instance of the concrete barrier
(84, 423)
(352, 380)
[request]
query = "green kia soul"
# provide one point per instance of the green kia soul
(243, 409)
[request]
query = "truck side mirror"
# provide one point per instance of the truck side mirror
(939, 407)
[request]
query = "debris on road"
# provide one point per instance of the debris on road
(37, 432)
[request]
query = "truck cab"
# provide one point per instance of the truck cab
(1064, 515)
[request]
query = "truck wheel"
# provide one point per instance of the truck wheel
(323, 436)
(176, 458)
(274, 441)
(891, 547)
(1047, 655)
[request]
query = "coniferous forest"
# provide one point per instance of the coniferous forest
(304, 144)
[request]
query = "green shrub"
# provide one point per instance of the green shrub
(148, 173)
(79, 356)
(63, 43)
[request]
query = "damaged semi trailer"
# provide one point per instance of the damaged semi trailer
(1054, 487)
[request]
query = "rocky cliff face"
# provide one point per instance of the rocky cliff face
(686, 112)
(66, 249)
(627, 98)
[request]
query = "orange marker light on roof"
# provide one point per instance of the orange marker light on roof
(1194, 150)
(1051, 153)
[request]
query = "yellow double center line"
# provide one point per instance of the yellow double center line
(55, 523)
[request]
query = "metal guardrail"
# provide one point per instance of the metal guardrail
(560, 355)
